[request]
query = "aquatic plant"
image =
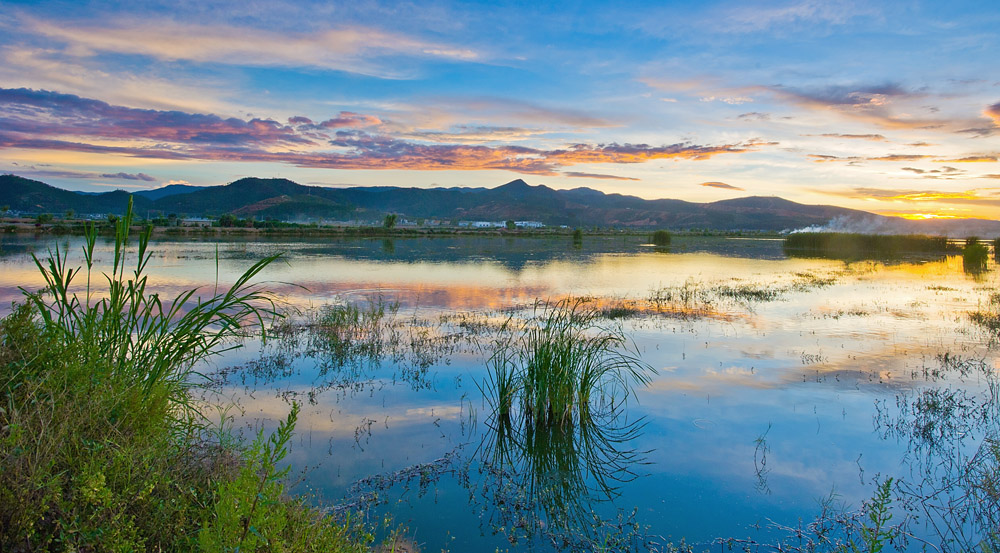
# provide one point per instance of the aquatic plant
(975, 256)
(558, 365)
(660, 238)
(852, 247)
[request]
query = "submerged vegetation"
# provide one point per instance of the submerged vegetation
(854, 247)
(102, 446)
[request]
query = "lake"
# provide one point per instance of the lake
(783, 391)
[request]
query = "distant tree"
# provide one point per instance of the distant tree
(112, 218)
(661, 238)
(511, 225)
(5, 209)
(227, 220)
(43, 218)
(390, 221)
(577, 235)
(70, 213)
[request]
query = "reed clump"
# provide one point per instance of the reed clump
(851, 246)
(560, 365)
(102, 447)
(661, 238)
(975, 255)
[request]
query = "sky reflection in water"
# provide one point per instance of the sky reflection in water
(793, 384)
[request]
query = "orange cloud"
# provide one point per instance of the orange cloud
(993, 112)
(969, 159)
(596, 176)
(716, 184)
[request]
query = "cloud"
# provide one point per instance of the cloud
(40, 112)
(993, 112)
(754, 116)
(886, 105)
(945, 172)
(44, 171)
(872, 137)
(351, 49)
(510, 110)
(129, 176)
(970, 159)
(716, 184)
(596, 176)
(475, 134)
(771, 16)
(890, 157)
(731, 100)
(45, 120)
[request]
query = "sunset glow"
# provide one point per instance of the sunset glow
(819, 103)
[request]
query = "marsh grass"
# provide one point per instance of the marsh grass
(855, 247)
(975, 256)
(559, 365)
(102, 447)
(660, 238)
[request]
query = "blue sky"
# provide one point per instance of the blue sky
(888, 107)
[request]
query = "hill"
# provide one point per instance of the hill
(579, 207)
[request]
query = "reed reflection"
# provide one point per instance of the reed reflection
(559, 438)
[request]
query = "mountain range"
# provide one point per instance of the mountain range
(579, 207)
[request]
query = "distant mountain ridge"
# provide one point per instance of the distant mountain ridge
(517, 200)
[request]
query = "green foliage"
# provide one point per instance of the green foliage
(510, 224)
(558, 365)
(389, 221)
(876, 532)
(661, 238)
(252, 513)
(577, 235)
(975, 256)
(43, 218)
(101, 446)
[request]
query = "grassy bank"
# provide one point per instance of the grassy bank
(101, 445)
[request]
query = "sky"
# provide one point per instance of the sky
(888, 107)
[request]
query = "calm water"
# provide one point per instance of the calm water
(780, 383)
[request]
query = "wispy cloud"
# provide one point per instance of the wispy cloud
(350, 48)
(888, 157)
(717, 184)
(872, 137)
(46, 171)
(596, 176)
(129, 176)
(971, 159)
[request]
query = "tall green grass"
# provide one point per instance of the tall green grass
(661, 238)
(102, 447)
(559, 365)
(975, 255)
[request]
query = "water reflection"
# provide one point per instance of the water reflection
(543, 480)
